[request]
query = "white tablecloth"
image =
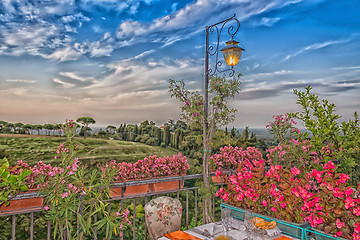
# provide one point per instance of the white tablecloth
(235, 234)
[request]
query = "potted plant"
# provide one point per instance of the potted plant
(10, 185)
(147, 168)
(229, 158)
(176, 165)
(123, 172)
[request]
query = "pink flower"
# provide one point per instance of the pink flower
(65, 194)
(264, 203)
(273, 209)
(339, 233)
(295, 171)
(356, 211)
(339, 224)
(46, 207)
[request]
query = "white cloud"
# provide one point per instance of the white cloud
(314, 46)
(65, 54)
(269, 21)
(75, 76)
(64, 84)
(21, 81)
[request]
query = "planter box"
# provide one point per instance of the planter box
(292, 229)
(320, 235)
(170, 185)
(116, 192)
(22, 203)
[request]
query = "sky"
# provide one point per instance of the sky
(112, 59)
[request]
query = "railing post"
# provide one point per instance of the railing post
(134, 218)
(13, 226)
(32, 226)
(187, 209)
(48, 230)
(196, 204)
(146, 200)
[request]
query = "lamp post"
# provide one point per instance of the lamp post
(232, 53)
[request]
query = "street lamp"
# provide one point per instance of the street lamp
(232, 53)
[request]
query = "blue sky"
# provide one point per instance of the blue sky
(112, 60)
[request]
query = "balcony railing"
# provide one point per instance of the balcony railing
(143, 198)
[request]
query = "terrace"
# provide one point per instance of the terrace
(190, 199)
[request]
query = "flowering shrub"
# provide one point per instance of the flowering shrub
(73, 190)
(294, 153)
(334, 207)
(230, 157)
(322, 197)
(266, 192)
(148, 167)
(40, 173)
(282, 127)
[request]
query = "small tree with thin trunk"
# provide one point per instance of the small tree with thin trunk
(220, 90)
(86, 121)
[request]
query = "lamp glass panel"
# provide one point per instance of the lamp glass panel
(232, 56)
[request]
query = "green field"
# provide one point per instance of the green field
(34, 148)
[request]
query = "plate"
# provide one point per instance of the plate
(180, 235)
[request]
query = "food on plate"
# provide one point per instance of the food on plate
(262, 224)
(222, 237)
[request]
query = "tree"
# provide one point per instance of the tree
(38, 127)
(111, 128)
(28, 128)
(220, 114)
(321, 121)
(10, 125)
(85, 121)
(167, 135)
(18, 126)
(49, 127)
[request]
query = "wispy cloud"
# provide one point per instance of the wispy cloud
(21, 81)
(75, 76)
(315, 46)
(63, 83)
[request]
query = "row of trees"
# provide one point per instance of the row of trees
(50, 129)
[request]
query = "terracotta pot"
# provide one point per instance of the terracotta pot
(24, 204)
(166, 186)
(130, 190)
(218, 180)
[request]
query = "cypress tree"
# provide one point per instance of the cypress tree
(167, 135)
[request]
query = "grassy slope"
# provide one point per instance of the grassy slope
(33, 148)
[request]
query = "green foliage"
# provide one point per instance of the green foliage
(10, 184)
(321, 121)
(73, 205)
(85, 121)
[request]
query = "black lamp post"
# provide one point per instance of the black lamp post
(232, 53)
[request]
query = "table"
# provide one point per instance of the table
(235, 234)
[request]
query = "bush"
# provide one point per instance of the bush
(163, 145)
(138, 138)
(145, 138)
(150, 142)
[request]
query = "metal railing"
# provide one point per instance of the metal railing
(136, 198)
